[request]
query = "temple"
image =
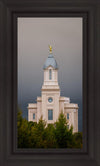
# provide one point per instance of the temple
(50, 104)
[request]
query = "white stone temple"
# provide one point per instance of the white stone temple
(50, 104)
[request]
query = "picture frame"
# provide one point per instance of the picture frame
(10, 11)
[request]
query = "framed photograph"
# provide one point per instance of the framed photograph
(50, 83)
(51, 76)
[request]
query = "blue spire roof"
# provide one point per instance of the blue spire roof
(50, 62)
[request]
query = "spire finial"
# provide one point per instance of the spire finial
(50, 48)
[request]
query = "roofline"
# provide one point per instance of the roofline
(51, 66)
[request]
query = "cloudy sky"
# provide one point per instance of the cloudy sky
(34, 36)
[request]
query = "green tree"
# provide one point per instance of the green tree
(23, 131)
(62, 133)
(41, 135)
(77, 140)
(50, 140)
(38, 134)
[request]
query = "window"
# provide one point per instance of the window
(33, 116)
(50, 114)
(67, 115)
(50, 99)
(50, 74)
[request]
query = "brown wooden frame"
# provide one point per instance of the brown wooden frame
(10, 10)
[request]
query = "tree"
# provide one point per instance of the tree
(62, 133)
(50, 140)
(41, 135)
(23, 131)
(77, 140)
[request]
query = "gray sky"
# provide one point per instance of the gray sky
(34, 36)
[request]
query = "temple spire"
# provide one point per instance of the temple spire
(50, 61)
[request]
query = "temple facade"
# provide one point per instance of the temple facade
(50, 104)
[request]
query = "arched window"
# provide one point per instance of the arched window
(67, 115)
(50, 74)
(33, 116)
(50, 114)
